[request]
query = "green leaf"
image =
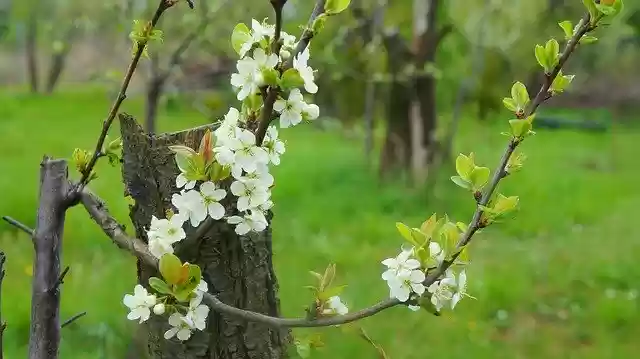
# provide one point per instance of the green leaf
(505, 205)
(461, 182)
(429, 226)
(451, 236)
(464, 165)
(270, 76)
(541, 56)
(171, 269)
(567, 27)
(520, 128)
(303, 349)
(612, 8)
(588, 39)
(332, 7)
(561, 83)
(520, 95)
(184, 290)
(183, 154)
(330, 292)
(552, 49)
(318, 24)
(218, 173)
(240, 36)
(479, 177)
(591, 7)
(159, 285)
(291, 79)
(425, 303)
(510, 104)
(406, 233)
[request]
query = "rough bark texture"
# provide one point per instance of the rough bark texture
(238, 269)
(44, 338)
(396, 150)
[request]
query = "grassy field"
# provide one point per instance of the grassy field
(559, 281)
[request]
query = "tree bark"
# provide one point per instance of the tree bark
(58, 61)
(238, 269)
(44, 338)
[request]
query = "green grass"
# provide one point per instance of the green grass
(558, 281)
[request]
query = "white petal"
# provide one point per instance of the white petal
(216, 210)
(242, 228)
(414, 308)
(184, 334)
(171, 333)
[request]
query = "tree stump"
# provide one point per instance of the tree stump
(237, 269)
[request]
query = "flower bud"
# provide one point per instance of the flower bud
(284, 54)
(158, 309)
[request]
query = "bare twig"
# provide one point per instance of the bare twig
(3, 325)
(44, 339)
(122, 95)
(21, 226)
(272, 93)
(72, 319)
(60, 279)
(138, 248)
(476, 223)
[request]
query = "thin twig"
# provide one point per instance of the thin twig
(139, 249)
(272, 93)
(122, 95)
(476, 222)
(72, 319)
(60, 280)
(21, 226)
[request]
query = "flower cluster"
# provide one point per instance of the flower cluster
(232, 153)
(141, 303)
(405, 276)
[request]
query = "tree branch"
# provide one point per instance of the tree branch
(72, 319)
(476, 223)
(136, 247)
(122, 95)
(272, 93)
(3, 325)
(44, 339)
(21, 226)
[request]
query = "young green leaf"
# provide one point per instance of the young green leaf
(510, 104)
(291, 79)
(461, 182)
(520, 94)
(504, 204)
(519, 128)
(171, 269)
(333, 7)
(552, 50)
(567, 27)
(593, 10)
(464, 165)
(541, 57)
(405, 232)
(561, 83)
(479, 177)
(159, 285)
(240, 36)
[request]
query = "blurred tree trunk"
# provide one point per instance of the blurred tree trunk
(396, 150)
(155, 86)
(31, 46)
(238, 269)
(59, 59)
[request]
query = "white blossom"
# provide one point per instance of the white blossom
(224, 155)
(250, 194)
(441, 291)
(190, 205)
(290, 109)
(414, 308)
(305, 71)
(335, 306)
(436, 252)
(265, 206)
(182, 181)
(247, 154)
(181, 327)
(460, 289)
(261, 176)
(273, 146)
(248, 78)
(197, 313)
(288, 40)
(252, 221)
(163, 233)
(211, 195)
(310, 111)
(401, 265)
(228, 128)
(403, 285)
(261, 30)
(139, 303)
(264, 61)
(159, 309)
